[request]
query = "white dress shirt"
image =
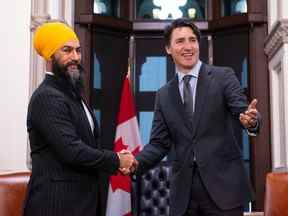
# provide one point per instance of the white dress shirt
(194, 72)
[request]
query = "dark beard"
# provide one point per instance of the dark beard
(75, 78)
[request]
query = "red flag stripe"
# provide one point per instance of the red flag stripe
(127, 109)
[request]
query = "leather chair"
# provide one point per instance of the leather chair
(12, 192)
(276, 195)
(151, 192)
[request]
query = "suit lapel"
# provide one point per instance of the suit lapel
(95, 132)
(64, 87)
(201, 92)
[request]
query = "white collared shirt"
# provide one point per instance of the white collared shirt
(89, 117)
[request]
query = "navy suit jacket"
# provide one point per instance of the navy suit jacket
(66, 154)
(211, 135)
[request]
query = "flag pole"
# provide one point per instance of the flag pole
(130, 71)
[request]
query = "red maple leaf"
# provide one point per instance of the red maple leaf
(136, 150)
(120, 182)
(119, 145)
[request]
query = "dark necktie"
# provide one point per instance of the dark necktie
(188, 96)
(188, 105)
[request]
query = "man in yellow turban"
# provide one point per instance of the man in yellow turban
(58, 34)
(63, 133)
(58, 44)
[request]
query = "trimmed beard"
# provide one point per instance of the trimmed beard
(73, 77)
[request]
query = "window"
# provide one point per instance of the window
(232, 7)
(172, 9)
(153, 73)
(145, 125)
(105, 7)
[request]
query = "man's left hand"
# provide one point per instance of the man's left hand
(249, 118)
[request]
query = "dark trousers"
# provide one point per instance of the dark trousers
(201, 203)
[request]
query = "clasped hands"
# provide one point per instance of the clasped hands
(128, 163)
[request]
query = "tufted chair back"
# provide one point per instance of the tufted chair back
(152, 192)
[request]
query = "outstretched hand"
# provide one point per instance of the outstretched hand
(250, 117)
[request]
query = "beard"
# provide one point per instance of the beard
(72, 76)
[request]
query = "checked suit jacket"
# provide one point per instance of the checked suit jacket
(210, 136)
(66, 154)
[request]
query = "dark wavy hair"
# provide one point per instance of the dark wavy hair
(181, 22)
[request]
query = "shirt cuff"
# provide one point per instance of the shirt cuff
(253, 130)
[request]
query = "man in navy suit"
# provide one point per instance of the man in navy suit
(193, 119)
(66, 154)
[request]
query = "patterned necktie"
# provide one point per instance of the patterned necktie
(188, 96)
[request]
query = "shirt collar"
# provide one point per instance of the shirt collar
(194, 71)
(49, 73)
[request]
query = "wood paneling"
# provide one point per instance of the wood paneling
(104, 21)
(259, 88)
(84, 35)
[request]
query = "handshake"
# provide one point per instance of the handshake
(128, 163)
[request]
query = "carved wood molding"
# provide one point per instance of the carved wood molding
(38, 20)
(277, 37)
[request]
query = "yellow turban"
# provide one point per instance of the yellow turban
(49, 37)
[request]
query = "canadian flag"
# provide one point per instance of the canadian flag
(127, 137)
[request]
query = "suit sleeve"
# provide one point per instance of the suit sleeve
(159, 144)
(51, 117)
(235, 97)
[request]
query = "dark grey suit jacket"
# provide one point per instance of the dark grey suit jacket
(219, 101)
(66, 155)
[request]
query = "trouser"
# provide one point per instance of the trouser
(201, 204)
